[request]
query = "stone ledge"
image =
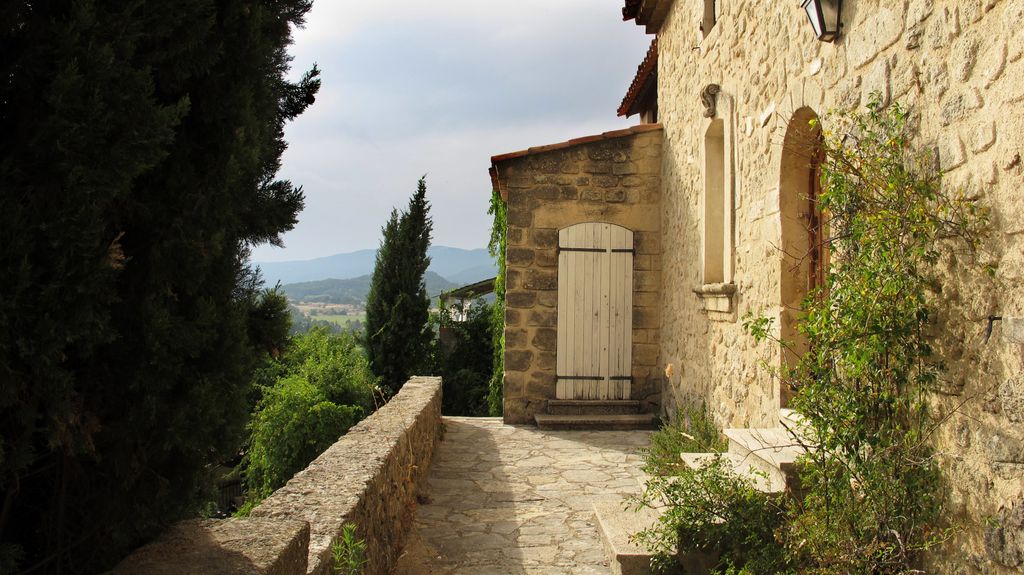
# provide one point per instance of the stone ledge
(716, 297)
(369, 477)
(203, 546)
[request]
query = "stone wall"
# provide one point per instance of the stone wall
(369, 477)
(959, 66)
(614, 178)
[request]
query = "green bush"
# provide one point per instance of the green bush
(711, 510)
(691, 431)
(335, 364)
(714, 512)
(311, 396)
(294, 424)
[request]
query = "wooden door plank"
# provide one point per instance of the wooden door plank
(602, 283)
(614, 313)
(627, 318)
(562, 335)
(579, 293)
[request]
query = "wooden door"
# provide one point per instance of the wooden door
(595, 311)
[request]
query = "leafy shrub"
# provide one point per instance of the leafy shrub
(710, 511)
(294, 424)
(311, 396)
(873, 486)
(716, 513)
(335, 364)
(691, 431)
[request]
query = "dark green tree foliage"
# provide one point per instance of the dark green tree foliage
(139, 146)
(397, 308)
(463, 356)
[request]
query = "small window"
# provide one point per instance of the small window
(715, 224)
(717, 289)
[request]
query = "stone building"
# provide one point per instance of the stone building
(714, 195)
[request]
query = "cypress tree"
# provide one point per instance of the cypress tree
(139, 143)
(397, 307)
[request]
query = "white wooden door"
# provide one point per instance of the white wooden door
(595, 311)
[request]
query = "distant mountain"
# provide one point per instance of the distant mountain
(456, 264)
(473, 274)
(352, 290)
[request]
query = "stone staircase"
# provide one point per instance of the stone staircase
(590, 414)
(765, 455)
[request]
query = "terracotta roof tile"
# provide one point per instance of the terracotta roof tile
(638, 129)
(645, 72)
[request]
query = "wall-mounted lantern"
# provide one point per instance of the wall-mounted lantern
(825, 18)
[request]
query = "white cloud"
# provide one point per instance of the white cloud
(413, 87)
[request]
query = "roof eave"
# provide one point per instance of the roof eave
(647, 13)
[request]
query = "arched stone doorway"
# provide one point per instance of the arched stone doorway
(803, 243)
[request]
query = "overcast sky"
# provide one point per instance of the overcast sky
(413, 87)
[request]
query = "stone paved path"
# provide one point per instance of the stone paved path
(516, 500)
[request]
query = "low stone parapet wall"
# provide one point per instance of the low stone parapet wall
(369, 477)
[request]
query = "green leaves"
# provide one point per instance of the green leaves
(496, 246)
(292, 426)
(139, 143)
(320, 388)
(872, 497)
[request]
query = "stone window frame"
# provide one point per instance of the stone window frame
(717, 292)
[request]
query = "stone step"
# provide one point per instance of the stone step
(593, 407)
(597, 422)
(742, 465)
(794, 421)
(772, 450)
(616, 524)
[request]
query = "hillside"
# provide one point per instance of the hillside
(353, 290)
(458, 265)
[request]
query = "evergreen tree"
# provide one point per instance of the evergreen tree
(397, 307)
(139, 143)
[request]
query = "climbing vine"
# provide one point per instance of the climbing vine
(496, 246)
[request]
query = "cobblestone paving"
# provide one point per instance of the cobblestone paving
(508, 499)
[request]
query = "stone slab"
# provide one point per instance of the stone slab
(243, 546)
(592, 407)
(516, 499)
(617, 525)
(596, 422)
(742, 466)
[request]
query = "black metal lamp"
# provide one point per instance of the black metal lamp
(825, 17)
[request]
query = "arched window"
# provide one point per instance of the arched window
(718, 235)
(804, 246)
